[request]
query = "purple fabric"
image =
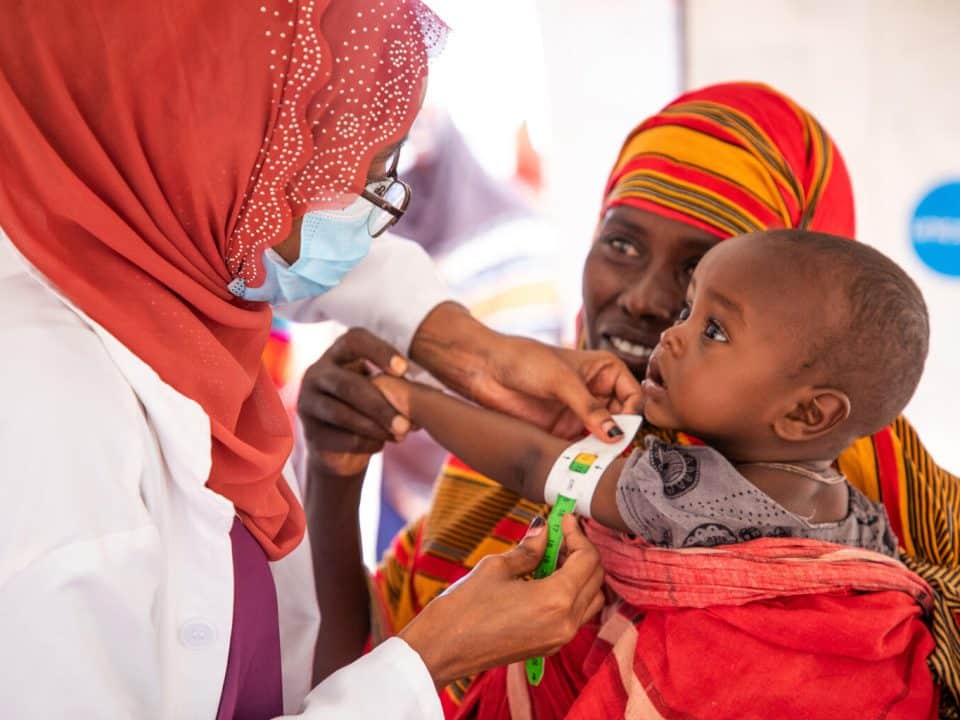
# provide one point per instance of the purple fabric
(252, 687)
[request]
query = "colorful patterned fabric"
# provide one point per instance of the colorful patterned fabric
(815, 631)
(727, 158)
(732, 159)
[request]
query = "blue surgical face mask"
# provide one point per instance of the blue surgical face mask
(331, 244)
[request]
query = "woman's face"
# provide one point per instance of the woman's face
(289, 247)
(635, 279)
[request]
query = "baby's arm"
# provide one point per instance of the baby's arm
(514, 453)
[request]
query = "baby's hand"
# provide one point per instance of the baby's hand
(397, 391)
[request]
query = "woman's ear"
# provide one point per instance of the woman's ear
(813, 415)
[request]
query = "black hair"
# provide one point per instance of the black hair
(877, 353)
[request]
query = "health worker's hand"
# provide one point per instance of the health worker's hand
(560, 390)
(345, 418)
(494, 617)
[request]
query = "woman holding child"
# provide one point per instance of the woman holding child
(719, 162)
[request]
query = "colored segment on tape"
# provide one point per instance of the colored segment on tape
(582, 462)
(578, 469)
(537, 666)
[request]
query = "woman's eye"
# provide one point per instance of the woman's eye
(684, 313)
(714, 332)
(624, 247)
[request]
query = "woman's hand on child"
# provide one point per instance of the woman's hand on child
(605, 378)
(494, 617)
(560, 390)
(345, 418)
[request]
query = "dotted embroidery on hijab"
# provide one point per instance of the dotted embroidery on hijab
(326, 125)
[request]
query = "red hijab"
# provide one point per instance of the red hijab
(149, 152)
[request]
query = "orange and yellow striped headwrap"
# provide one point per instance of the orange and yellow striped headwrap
(732, 159)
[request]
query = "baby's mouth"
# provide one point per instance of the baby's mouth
(654, 375)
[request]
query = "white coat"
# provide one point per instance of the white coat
(116, 571)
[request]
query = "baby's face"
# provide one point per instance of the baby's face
(730, 365)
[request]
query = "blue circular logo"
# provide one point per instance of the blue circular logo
(935, 229)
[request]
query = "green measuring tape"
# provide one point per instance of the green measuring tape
(537, 665)
(573, 479)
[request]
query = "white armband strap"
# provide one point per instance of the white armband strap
(577, 471)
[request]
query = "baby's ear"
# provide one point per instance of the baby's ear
(815, 413)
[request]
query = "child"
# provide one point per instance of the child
(791, 345)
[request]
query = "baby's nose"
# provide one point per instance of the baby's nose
(670, 339)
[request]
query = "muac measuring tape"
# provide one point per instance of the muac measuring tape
(570, 487)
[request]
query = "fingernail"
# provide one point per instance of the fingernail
(536, 527)
(614, 431)
(400, 425)
(398, 365)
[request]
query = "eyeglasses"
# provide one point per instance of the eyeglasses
(390, 198)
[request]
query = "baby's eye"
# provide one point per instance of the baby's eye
(622, 246)
(714, 332)
(684, 313)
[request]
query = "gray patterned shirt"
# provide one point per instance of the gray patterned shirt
(687, 496)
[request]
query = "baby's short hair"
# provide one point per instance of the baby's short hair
(877, 354)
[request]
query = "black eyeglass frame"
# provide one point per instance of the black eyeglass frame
(376, 198)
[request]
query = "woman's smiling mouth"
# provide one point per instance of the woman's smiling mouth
(634, 354)
(641, 352)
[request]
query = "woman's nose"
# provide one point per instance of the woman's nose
(651, 295)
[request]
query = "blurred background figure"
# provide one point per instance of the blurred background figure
(497, 254)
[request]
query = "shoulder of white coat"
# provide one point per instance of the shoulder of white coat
(71, 429)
